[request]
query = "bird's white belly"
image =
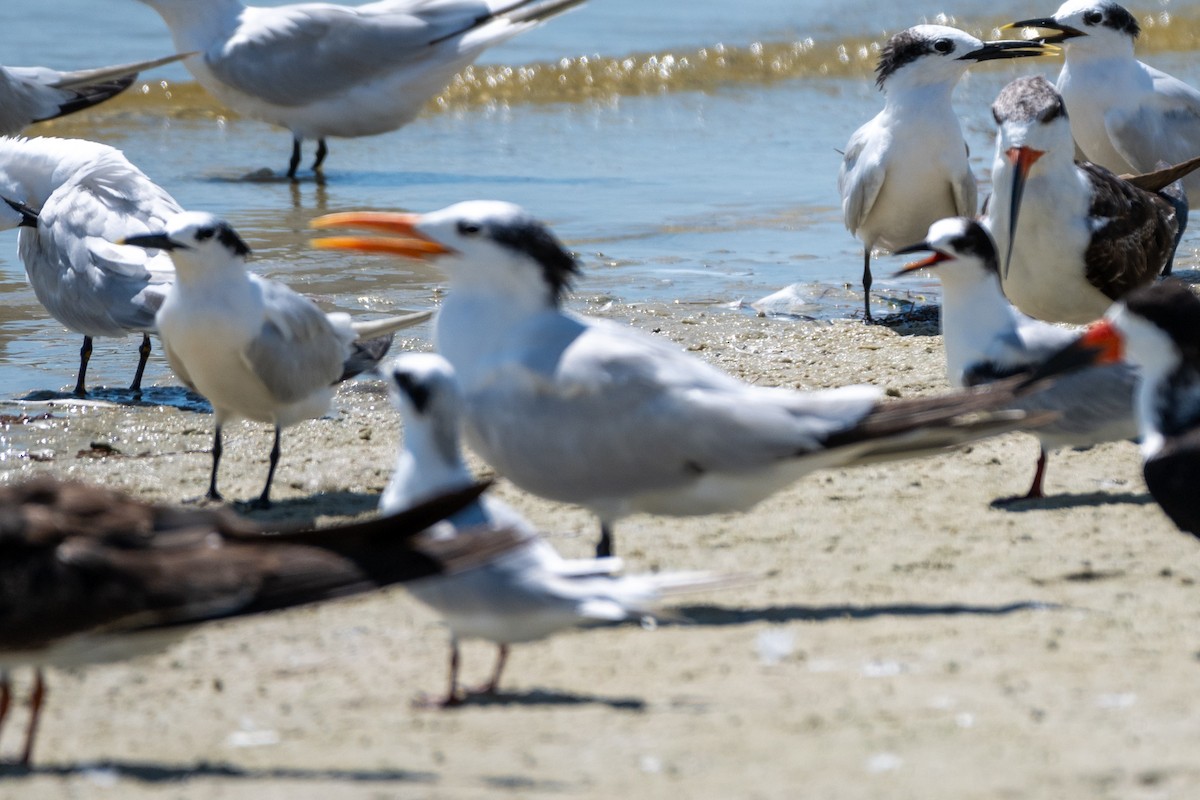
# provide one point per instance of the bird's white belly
(916, 194)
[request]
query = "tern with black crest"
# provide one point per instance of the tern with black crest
(593, 412)
(1072, 236)
(907, 167)
(253, 347)
(528, 593)
(1125, 115)
(986, 339)
(323, 70)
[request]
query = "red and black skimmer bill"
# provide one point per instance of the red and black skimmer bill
(254, 348)
(593, 412)
(321, 70)
(90, 576)
(907, 167)
(529, 593)
(1125, 115)
(986, 338)
(70, 198)
(36, 94)
(1072, 236)
(1156, 329)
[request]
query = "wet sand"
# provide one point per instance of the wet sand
(901, 637)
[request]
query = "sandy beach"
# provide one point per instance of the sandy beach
(900, 638)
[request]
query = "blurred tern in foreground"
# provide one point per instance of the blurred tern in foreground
(987, 339)
(71, 199)
(526, 593)
(1072, 236)
(907, 167)
(1156, 329)
(592, 412)
(321, 70)
(36, 94)
(253, 347)
(89, 576)
(1125, 115)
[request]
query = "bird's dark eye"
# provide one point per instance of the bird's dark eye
(1093, 17)
(205, 233)
(943, 46)
(468, 228)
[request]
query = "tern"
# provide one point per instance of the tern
(1073, 236)
(322, 70)
(527, 593)
(91, 576)
(36, 94)
(1157, 329)
(253, 347)
(71, 198)
(1125, 115)
(986, 338)
(907, 167)
(596, 413)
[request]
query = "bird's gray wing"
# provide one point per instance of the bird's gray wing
(860, 179)
(298, 350)
(293, 55)
(607, 410)
(1165, 128)
(26, 97)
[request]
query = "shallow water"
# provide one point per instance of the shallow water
(689, 153)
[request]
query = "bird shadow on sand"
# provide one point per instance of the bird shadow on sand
(1068, 500)
(148, 772)
(151, 396)
(721, 615)
(548, 697)
(917, 320)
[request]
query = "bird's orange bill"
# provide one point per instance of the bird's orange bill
(407, 242)
(933, 260)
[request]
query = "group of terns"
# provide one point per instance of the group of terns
(568, 407)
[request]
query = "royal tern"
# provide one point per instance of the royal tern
(1157, 329)
(1072, 236)
(986, 338)
(1125, 115)
(36, 94)
(907, 167)
(253, 347)
(596, 413)
(322, 70)
(527, 593)
(91, 576)
(74, 198)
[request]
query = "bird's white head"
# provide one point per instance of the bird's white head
(1088, 26)
(425, 390)
(482, 245)
(197, 242)
(956, 246)
(936, 54)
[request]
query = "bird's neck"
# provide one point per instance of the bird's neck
(228, 279)
(974, 313)
(919, 98)
(475, 325)
(426, 466)
(197, 25)
(1112, 51)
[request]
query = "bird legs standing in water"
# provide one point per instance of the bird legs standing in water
(264, 499)
(85, 355)
(294, 163)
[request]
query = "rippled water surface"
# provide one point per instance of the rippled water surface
(686, 148)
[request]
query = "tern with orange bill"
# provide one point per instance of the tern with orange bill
(600, 414)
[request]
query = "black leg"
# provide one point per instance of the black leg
(294, 164)
(213, 494)
(322, 151)
(867, 283)
(85, 355)
(1039, 475)
(143, 355)
(5, 696)
(264, 499)
(452, 698)
(492, 686)
(604, 547)
(35, 714)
